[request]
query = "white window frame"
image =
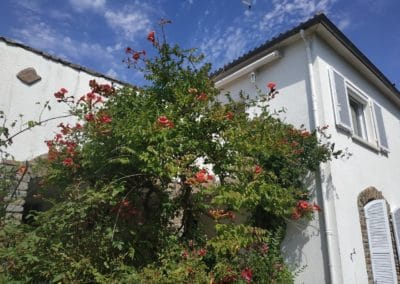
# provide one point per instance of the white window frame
(367, 120)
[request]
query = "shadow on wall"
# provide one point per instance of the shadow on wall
(304, 246)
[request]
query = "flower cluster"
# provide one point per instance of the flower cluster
(220, 213)
(61, 96)
(163, 121)
(247, 274)
(134, 56)
(104, 90)
(304, 208)
(272, 92)
(151, 37)
(64, 145)
(257, 170)
(229, 115)
(200, 177)
(192, 252)
(200, 96)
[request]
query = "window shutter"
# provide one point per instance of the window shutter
(396, 226)
(340, 101)
(380, 242)
(383, 143)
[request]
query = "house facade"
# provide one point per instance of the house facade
(323, 79)
(28, 79)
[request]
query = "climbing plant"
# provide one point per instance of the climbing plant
(172, 182)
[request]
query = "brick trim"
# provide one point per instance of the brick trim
(367, 195)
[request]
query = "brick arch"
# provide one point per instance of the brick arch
(367, 195)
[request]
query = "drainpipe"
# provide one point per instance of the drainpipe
(331, 233)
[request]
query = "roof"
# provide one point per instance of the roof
(62, 61)
(316, 20)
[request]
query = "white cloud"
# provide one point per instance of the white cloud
(48, 39)
(224, 46)
(292, 11)
(111, 72)
(252, 28)
(129, 24)
(343, 23)
(82, 5)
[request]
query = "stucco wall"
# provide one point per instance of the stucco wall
(304, 246)
(365, 168)
(18, 98)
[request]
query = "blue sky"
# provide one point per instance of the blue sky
(94, 33)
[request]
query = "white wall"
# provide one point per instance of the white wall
(366, 167)
(304, 246)
(18, 98)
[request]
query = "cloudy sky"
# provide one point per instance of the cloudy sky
(94, 33)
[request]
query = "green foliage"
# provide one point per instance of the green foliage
(139, 207)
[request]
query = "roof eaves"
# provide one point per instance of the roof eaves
(317, 19)
(344, 40)
(269, 44)
(62, 61)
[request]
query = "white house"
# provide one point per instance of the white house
(323, 79)
(28, 77)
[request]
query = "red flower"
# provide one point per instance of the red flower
(105, 118)
(49, 143)
(271, 85)
(185, 254)
(202, 97)
(202, 252)
(128, 50)
(150, 37)
(257, 169)
(68, 162)
(78, 126)
(164, 121)
(90, 96)
(89, 116)
(201, 176)
(229, 115)
(247, 274)
(136, 56)
(316, 207)
(303, 204)
(60, 94)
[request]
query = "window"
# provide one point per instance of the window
(381, 256)
(358, 118)
(357, 114)
(380, 242)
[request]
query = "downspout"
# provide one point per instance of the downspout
(331, 233)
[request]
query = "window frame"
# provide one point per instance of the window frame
(370, 135)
